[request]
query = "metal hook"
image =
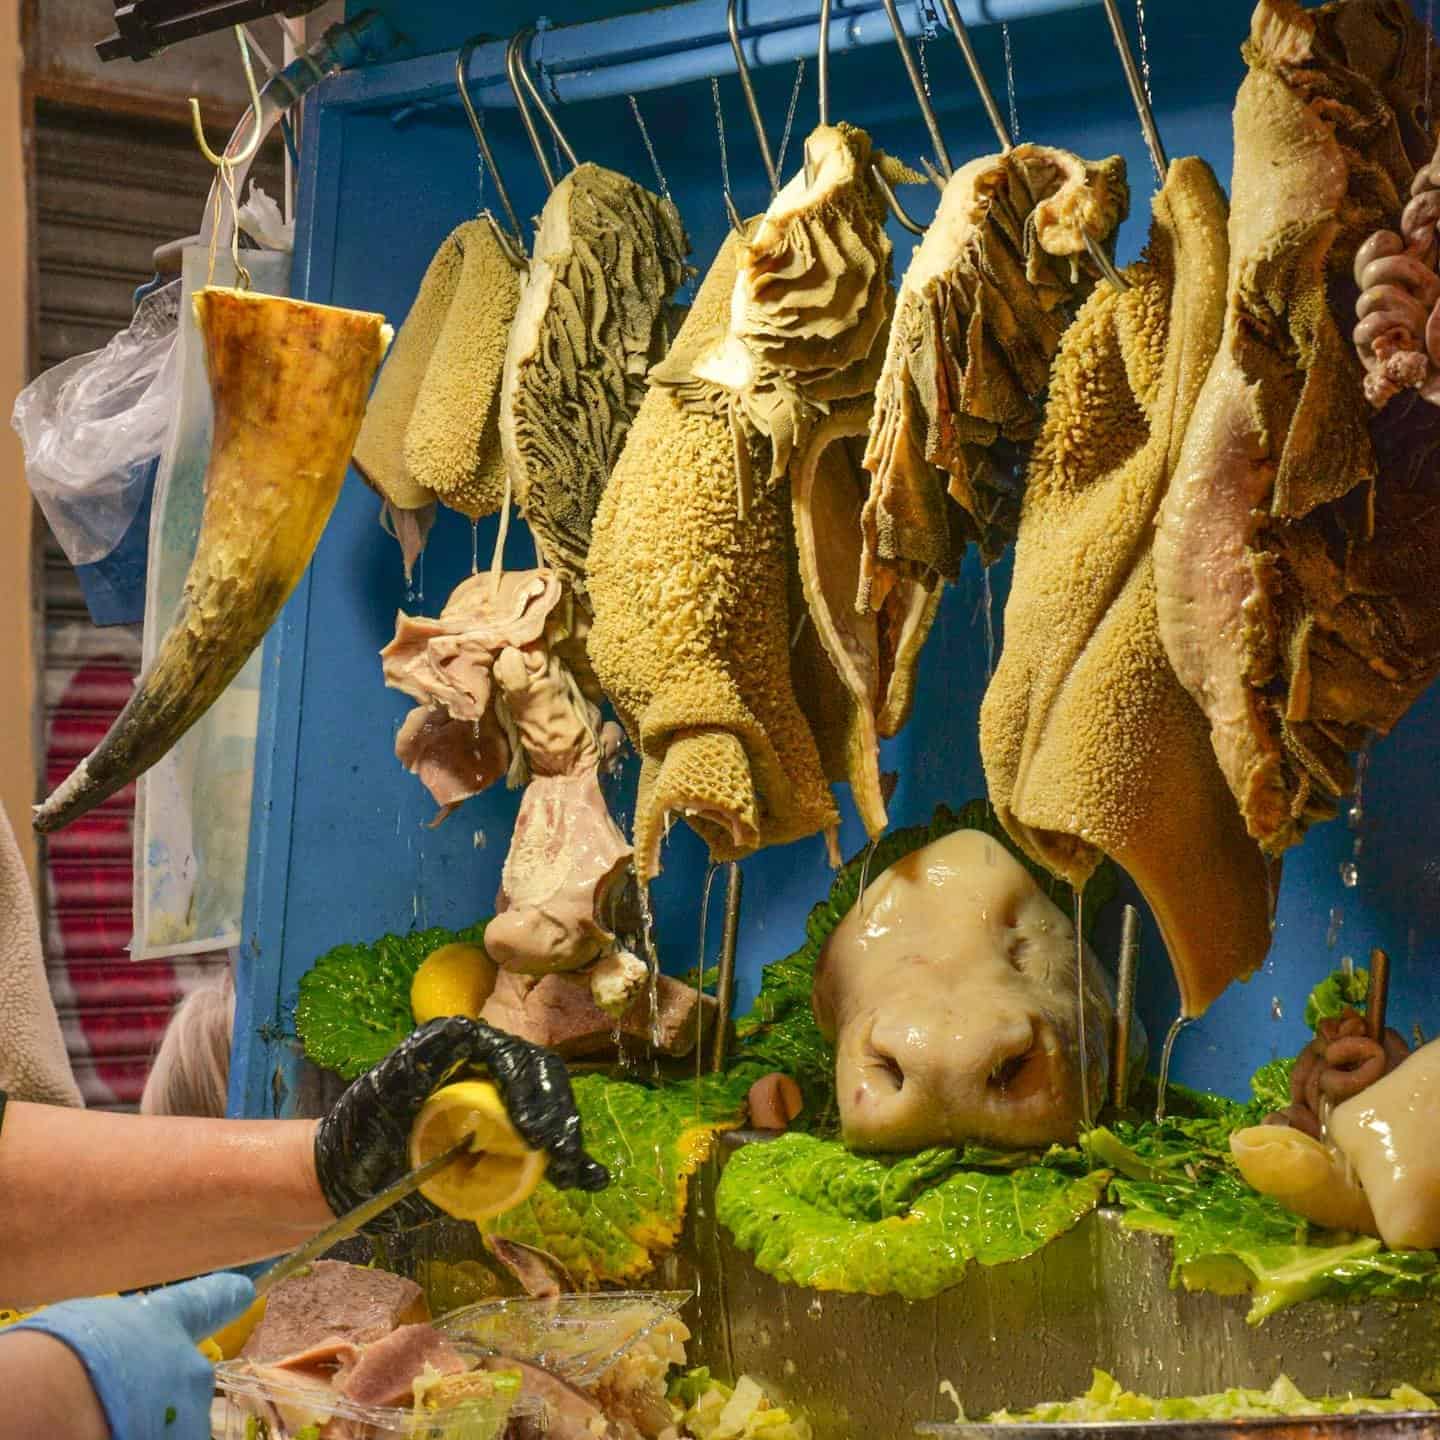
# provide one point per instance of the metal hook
(540, 104)
(513, 71)
(751, 104)
(1137, 91)
(917, 83)
(253, 143)
(972, 63)
(822, 63)
(907, 220)
(462, 65)
(1103, 263)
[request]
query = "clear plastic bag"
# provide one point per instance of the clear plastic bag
(92, 426)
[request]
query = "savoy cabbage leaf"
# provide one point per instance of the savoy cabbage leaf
(813, 1214)
(1339, 990)
(354, 1006)
(652, 1138)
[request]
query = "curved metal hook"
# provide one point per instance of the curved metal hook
(514, 70)
(917, 83)
(906, 220)
(566, 148)
(462, 65)
(972, 63)
(253, 143)
(1137, 91)
(1103, 262)
(751, 104)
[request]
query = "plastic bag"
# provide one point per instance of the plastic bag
(92, 427)
(192, 809)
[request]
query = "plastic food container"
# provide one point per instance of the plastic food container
(577, 1337)
(258, 1407)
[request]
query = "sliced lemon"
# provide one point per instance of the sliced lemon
(453, 980)
(499, 1173)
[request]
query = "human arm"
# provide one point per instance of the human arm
(100, 1202)
(46, 1391)
(133, 1364)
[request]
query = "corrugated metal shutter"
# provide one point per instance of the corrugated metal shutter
(108, 190)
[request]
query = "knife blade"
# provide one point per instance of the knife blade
(356, 1219)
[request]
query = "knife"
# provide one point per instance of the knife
(351, 1223)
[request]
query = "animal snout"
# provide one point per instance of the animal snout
(996, 1079)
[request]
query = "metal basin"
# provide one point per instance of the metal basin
(870, 1368)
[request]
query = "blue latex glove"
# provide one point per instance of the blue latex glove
(140, 1354)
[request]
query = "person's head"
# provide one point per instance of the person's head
(191, 1072)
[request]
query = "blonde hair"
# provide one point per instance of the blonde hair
(191, 1071)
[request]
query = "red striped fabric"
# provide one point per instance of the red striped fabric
(113, 1011)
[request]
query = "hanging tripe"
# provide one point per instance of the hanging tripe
(288, 380)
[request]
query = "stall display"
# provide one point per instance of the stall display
(714, 626)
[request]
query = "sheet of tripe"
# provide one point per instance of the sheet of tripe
(192, 810)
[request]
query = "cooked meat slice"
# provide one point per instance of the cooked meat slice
(386, 1371)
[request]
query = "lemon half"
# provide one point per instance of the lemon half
(453, 980)
(499, 1173)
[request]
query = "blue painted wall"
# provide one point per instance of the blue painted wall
(344, 852)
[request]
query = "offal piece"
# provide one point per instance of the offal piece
(1398, 334)
(288, 382)
(380, 448)
(330, 1305)
(1340, 1062)
(793, 374)
(1377, 1172)
(949, 993)
(452, 443)
(1294, 555)
(494, 690)
(981, 311)
(691, 636)
(592, 319)
(1090, 744)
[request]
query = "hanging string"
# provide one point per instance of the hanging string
(1144, 49)
(650, 149)
(1010, 83)
(790, 115)
(924, 69)
(225, 163)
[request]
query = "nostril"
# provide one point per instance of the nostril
(883, 1067)
(891, 1066)
(1008, 1071)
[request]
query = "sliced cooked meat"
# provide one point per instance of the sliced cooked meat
(386, 1370)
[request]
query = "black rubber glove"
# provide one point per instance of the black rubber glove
(362, 1145)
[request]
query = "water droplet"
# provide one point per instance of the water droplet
(1349, 874)
(815, 1308)
(478, 839)
(1355, 816)
(1337, 919)
(1347, 964)
(1276, 1013)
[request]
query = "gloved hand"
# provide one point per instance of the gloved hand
(363, 1144)
(139, 1352)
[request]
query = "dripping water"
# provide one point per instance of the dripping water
(987, 599)
(865, 876)
(1010, 82)
(474, 547)
(1080, 1016)
(1166, 1055)
(1144, 50)
(1332, 934)
(711, 871)
(652, 966)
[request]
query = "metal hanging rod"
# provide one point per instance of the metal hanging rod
(1137, 90)
(659, 49)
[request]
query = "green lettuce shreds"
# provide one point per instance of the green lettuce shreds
(1329, 999)
(354, 1006)
(707, 1409)
(812, 1214)
(1108, 1401)
(652, 1139)
(780, 1031)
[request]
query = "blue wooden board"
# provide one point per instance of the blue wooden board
(340, 849)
